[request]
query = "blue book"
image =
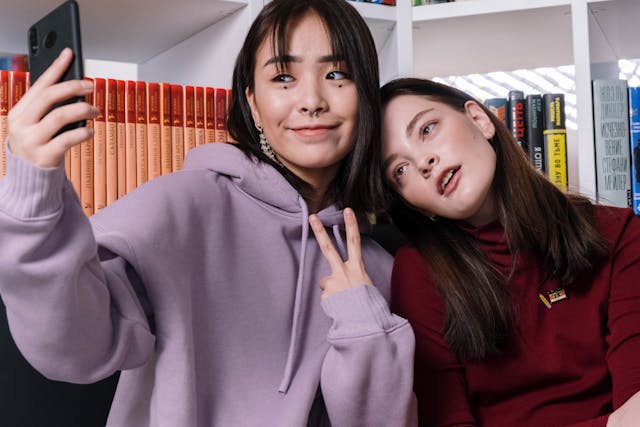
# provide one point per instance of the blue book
(634, 137)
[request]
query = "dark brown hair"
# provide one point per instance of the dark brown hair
(558, 228)
(351, 41)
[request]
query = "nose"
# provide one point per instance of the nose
(312, 99)
(427, 163)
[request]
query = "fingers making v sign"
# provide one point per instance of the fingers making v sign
(344, 274)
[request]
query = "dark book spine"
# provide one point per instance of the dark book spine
(534, 131)
(517, 122)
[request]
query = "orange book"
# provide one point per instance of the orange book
(86, 167)
(229, 137)
(130, 134)
(153, 130)
(4, 111)
(209, 115)
(177, 128)
(200, 134)
(165, 128)
(67, 164)
(121, 138)
(220, 96)
(142, 168)
(99, 145)
(75, 163)
(112, 140)
(189, 119)
(17, 86)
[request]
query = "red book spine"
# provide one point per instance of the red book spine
(220, 96)
(86, 167)
(189, 119)
(210, 115)
(142, 170)
(200, 131)
(121, 137)
(229, 137)
(130, 129)
(4, 111)
(153, 130)
(177, 126)
(112, 141)
(165, 128)
(99, 146)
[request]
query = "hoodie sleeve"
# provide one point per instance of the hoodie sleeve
(367, 374)
(72, 309)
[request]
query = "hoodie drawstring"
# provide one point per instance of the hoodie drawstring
(288, 369)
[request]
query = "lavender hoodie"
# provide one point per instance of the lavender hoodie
(202, 287)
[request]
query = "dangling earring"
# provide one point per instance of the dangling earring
(433, 218)
(265, 146)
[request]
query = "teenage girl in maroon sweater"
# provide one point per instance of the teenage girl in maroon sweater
(525, 300)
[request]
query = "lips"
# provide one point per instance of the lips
(446, 177)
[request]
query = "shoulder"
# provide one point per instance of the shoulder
(618, 225)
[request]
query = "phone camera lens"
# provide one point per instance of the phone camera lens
(50, 39)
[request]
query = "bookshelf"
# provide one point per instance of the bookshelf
(194, 42)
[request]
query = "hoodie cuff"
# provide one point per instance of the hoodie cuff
(29, 191)
(359, 311)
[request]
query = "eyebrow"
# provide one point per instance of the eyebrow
(388, 161)
(417, 117)
(285, 59)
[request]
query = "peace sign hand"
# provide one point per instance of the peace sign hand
(344, 274)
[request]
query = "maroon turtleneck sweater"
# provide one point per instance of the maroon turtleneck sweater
(571, 364)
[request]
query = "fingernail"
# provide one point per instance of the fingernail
(86, 84)
(66, 52)
(313, 220)
(348, 211)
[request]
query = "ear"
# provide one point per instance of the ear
(480, 118)
(251, 99)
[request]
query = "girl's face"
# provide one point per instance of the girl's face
(438, 159)
(308, 110)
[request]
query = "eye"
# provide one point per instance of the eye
(282, 78)
(426, 131)
(338, 75)
(398, 172)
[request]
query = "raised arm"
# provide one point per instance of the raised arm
(73, 315)
(366, 377)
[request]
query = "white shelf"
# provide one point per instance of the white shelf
(119, 30)
(482, 36)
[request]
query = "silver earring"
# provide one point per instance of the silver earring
(433, 218)
(265, 146)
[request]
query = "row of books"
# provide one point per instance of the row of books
(14, 62)
(616, 124)
(421, 2)
(387, 2)
(538, 123)
(143, 130)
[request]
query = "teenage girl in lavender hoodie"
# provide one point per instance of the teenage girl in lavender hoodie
(206, 287)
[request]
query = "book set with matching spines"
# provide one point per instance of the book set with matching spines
(538, 124)
(143, 130)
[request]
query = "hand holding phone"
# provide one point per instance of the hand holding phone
(50, 117)
(57, 30)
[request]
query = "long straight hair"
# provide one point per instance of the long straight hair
(351, 42)
(557, 228)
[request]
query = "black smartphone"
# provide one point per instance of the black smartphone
(57, 30)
